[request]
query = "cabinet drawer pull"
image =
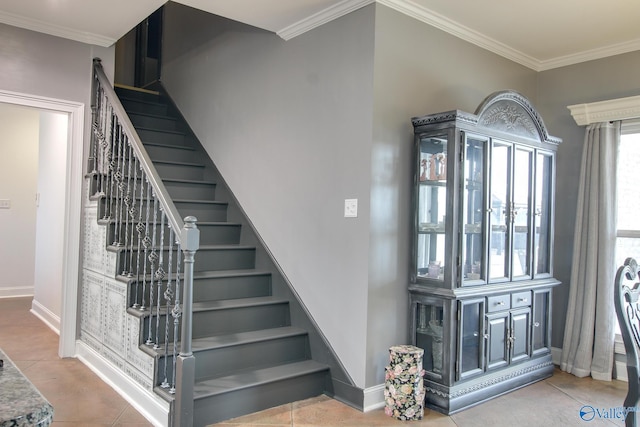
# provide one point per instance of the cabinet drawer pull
(499, 302)
(523, 299)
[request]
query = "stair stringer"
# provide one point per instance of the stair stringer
(342, 386)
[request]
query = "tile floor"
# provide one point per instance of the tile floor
(80, 398)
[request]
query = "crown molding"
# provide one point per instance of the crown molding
(55, 30)
(421, 13)
(606, 111)
(320, 18)
(590, 55)
(456, 29)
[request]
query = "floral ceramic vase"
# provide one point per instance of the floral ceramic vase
(404, 387)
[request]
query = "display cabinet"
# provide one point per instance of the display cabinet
(481, 273)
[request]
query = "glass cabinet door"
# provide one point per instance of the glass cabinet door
(470, 338)
(542, 215)
(429, 330)
(473, 210)
(499, 211)
(521, 212)
(432, 205)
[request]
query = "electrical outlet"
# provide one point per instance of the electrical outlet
(350, 208)
(5, 204)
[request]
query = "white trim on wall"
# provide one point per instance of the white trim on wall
(606, 111)
(73, 205)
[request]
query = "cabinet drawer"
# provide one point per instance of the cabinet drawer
(521, 299)
(498, 303)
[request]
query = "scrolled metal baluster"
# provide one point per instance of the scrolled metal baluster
(126, 271)
(140, 228)
(176, 313)
(160, 274)
(168, 296)
(146, 242)
(133, 211)
(121, 189)
(111, 166)
(153, 257)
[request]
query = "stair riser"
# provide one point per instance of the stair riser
(159, 137)
(205, 212)
(214, 363)
(144, 107)
(210, 234)
(230, 321)
(167, 153)
(177, 171)
(215, 289)
(207, 289)
(205, 260)
(142, 96)
(240, 402)
(154, 122)
(191, 191)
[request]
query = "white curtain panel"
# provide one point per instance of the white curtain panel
(589, 330)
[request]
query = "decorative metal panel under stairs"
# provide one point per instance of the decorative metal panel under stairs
(248, 354)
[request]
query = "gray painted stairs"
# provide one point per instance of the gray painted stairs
(251, 336)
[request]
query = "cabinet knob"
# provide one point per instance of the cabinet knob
(523, 299)
(486, 336)
(500, 303)
(536, 324)
(475, 334)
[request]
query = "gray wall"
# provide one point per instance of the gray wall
(418, 70)
(608, 78)
(33, 63)
(289, 123)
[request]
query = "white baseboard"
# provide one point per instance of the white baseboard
(16, 291)
(47, 316)
(152, 407)
(373, 398)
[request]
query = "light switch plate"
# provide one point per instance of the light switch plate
(350, 208)
(5, 204)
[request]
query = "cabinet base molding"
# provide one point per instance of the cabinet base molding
(449, 400)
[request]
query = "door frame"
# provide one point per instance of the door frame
(73, 208)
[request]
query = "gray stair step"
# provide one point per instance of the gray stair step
(228, 317)
(224, 398)
(190, 189)
(213, 285)
(240, 352)
(163, 137)
(171, 152)
(168, 169)
(155, 121)
(258, 377)
(208, 257)
(141, 106)
(203, 210)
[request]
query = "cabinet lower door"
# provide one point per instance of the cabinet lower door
(520, 324)
(497, 339)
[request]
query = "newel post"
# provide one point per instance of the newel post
(185, 364)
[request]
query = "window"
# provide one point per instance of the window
(628, 233)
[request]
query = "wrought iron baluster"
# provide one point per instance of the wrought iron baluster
(160, 275)
(133, 210)
(146, 242)
(140, 228)
(126, 271)
(168, 296)
(153, 257)
(176, 313)
(112, 164)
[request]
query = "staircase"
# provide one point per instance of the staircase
(248, 354)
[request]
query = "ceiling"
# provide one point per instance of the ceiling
(540, 34)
